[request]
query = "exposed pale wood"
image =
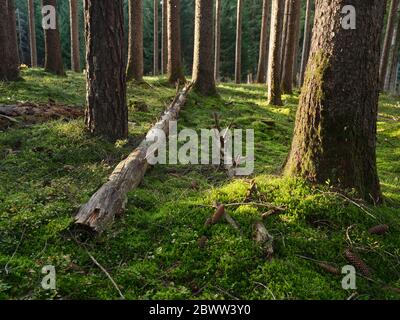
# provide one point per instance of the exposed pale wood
(110, 200)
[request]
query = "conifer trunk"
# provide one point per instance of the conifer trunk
(32, 33)
(74, 26)
(262, 57)
(135, 43)
(238, 55)
(306, 41)
(217, 45)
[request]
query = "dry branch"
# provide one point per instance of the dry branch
(110, 200)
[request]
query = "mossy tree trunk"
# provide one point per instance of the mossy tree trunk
(238, 55)
(53, 61)
(9, 58)
(291, 45)
(274, 60)
(262, 57)
(32, 33)
(175, 67)
(106, 113)
(383, 70)
(74, 26)
(335, 133)
(135, 43)
(203, 62)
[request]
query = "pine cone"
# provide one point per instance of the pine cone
(379, 230)
(329, 268)
(357, 262)
(218, 214)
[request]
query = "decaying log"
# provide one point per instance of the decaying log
(43, 111)
(110, 200)
(264, 239)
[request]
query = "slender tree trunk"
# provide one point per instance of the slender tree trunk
(392, 79)
(392, 59)
(274, 60)
(107, 112)
(203, 60)
(155, 33)
(32, 33)
(306, 41)
(291, 46)
(262, 57)
(74, 25)
(387, 43)
(135, 47)
(285, 30)
(9, 65)
(335, 134)
(53, 58)
(175, 68)
(164, 43)
(217, 45)
(238, 56)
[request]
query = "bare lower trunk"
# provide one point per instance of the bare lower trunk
(75, 48)
(107, 112)
(335, 134)
(262, 57)
(175, 68)
(32, 33)
(203, 62)
(274, 60)
(135, 48)
(238, 56)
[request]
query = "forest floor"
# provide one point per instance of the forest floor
(48, 169)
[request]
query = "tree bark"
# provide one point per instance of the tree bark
(262, 57)
(175, 68)
(217, 45)
(135, 46)
(274, 60)
(74, 26)
(285, 30)
(291, 46)
(110, 200)
(32, 33)
(155, 39)
(383, 70)
(306, 41)
(9, 66)
(335, 134)
(107, 112)
(392, 78)
(164, 43)
(203, 60)
(238, 55)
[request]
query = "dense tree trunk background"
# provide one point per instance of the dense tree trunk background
(203, 64)
(335, 134)
(274, 60)
(155, 40)
(217, 45)
(306, 41)
(135, 43)
(262, 57)
(164, 42)
(175, 67)
(107, 113)
(238, 55)
(9, 58)
(53, 58)
(74, 22)
(32, 33)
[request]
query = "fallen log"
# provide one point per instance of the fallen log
(110, 200)
(42, 111)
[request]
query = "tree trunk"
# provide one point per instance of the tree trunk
(164, 43)
(262, 57)
(392, 78)
(53, 62)
(306, 41)
(75, 48)
(175, 68)
(274, 61)
(9, 66)
(238, 56)
(203, 60)
(32, 33)
(107, 112)
(135, 46)
(110, 200)
(291, 46)
(335, 134)
(218, 9)
(387, 43)
(285, 30)
(155, 40)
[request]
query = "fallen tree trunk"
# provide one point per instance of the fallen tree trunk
(42, 111)
(110, 200)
